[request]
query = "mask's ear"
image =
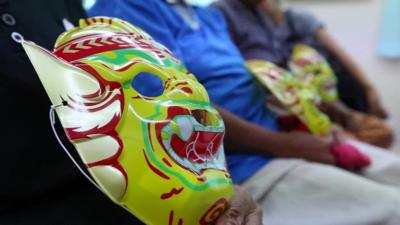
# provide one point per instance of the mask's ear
(85, 94)
(60, 79)
(90, 110)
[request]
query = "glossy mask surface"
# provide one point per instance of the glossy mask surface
(160, 156)
(299, 97)
(310, 67)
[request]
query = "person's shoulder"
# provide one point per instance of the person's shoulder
(210, 12)
(303, 22)
(300, 14)
(229, 8)
(107, 6)
(220, 4)
(226, 5)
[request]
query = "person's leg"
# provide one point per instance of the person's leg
(309, 193)
(385, 166)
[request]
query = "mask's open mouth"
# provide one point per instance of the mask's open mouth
(193, 138)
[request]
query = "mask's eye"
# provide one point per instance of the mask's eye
(148, 84)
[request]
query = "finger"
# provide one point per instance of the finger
(382, 113)
(254, 218)
(352, 126)
(231, 217)
(377, 110)
(224, 220)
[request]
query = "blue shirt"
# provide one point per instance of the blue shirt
(204, 45)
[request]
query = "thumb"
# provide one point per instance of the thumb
(231, 217)
(255, 218)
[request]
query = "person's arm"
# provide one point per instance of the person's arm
(373, 98)
(256, 139)
(339, 113)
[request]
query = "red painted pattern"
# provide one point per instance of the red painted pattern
(202, 179)
(167, 162)
(201, 141)
(109, 128)
(101, 106)
(301, 62)
(106, 129)
(74, 40)
(171, 219)
(154, 169)
(187, 90)
(171, 193)
(216, 210)
(96, 43)
(112, 159)
(184, 89)
(142, 97)
(295, 103)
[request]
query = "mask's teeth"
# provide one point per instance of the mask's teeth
(185, 128)
(209, 128)
(166, 137)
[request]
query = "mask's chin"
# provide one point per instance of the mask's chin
(193, 145)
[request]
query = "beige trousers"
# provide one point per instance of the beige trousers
(297, 192)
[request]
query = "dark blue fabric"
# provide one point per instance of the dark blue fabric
(207, 52)
(258, 37)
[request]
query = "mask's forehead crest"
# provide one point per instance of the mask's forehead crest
(100, 37)
(101, 23)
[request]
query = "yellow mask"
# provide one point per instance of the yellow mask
(298, 97)
(159, 156)
(310, 67)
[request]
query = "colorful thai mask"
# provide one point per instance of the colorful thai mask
(302, 100)
(310, 67)
(159, 156)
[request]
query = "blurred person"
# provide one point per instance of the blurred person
(263, 31)
(351, 76)
(295, 25)
(290, 174)
(40, 185)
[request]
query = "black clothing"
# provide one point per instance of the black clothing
(39, 184)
